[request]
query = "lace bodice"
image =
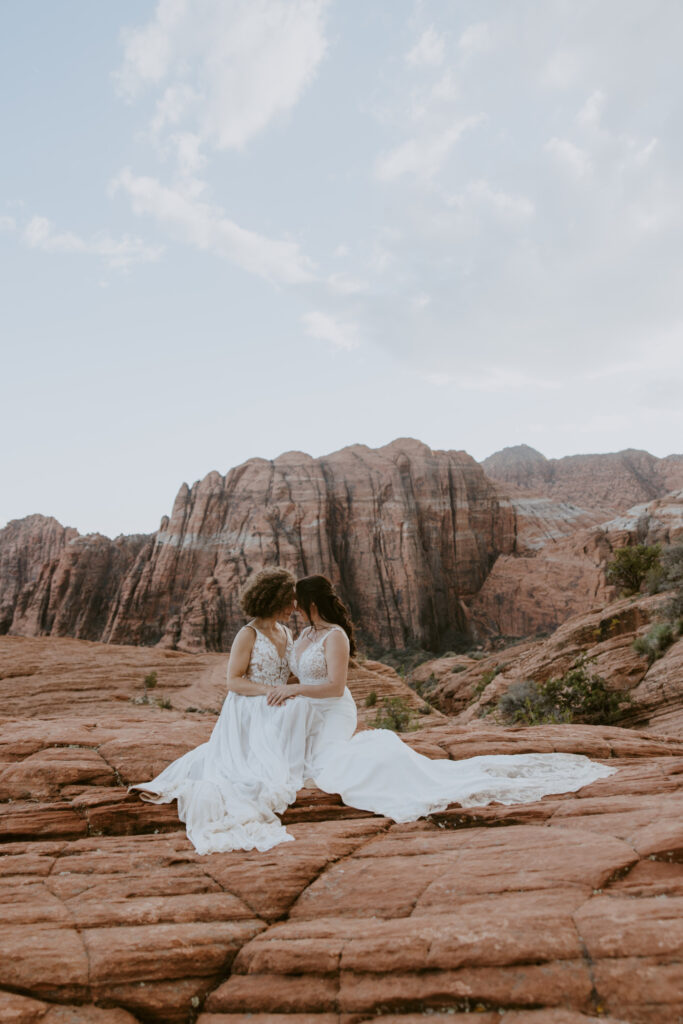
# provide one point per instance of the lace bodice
(308, 657)
(265, 665)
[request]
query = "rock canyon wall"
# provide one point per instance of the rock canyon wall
(425, 549)
(604, 484)
(407, 534)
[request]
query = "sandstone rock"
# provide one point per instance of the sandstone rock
(556, 912)
(550, 576)
(608, 484)
(605, 637)
(406, 533)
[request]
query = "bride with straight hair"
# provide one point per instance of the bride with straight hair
(273, 736)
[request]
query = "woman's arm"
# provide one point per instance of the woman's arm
(240, 656)
(336, 646)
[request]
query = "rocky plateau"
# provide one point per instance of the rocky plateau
(556, 912)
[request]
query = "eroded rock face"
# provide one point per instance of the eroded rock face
(569, 912)
(406, 534)
(551, 576)
(606, 484)
(53, 581)
(603, 636)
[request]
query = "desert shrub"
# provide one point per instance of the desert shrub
(577, 696)
(150, 681)
(526, 702)
(655, 579)
(672, 564)
(630, 566)
(371, 699)
(164, 702)
(656, 641)
(424, 687)
(394, 714)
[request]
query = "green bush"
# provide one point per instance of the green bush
(577, 696)
(656, 641)
(630, 566)
(526, 702)
(672, 564)
(164, 702)
(371, 699)
(394, 714)
(150, 681)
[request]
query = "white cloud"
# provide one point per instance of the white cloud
(120, 253)
(208, 228)
(228, 66)
(495, 380)
(591, 112)
(481, 193)
(475, 39)
(569, 156)
(325, 328)
(428, 50)
(423, 157)
(190, 159)
(345, 284)
(562, 69)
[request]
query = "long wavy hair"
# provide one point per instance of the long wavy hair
(319, 591)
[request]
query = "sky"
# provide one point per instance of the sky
(234, 228)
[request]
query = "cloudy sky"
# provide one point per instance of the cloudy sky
(238, 227)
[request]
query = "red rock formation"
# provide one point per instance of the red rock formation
(467, 689)
(52, 580)
(26, 547)
(569, 913)
(539, 587)
(407, 534)
(606, 484)
(410, 537)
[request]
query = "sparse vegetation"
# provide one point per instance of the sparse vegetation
(371, 699)
(394, 714)
(631, 566)
(656, 641)
(672, 564)
(150, 680)
(577, 696)
(423, 688)
(149, 683)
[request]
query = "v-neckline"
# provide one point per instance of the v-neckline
(312, 643)
(282, 657)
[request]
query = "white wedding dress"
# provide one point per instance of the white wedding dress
(231, 788)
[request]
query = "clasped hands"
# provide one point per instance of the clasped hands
(279, 694)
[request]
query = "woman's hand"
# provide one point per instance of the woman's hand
(279, 694)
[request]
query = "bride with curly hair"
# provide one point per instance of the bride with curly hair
(273, 736)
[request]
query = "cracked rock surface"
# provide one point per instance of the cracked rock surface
(556, 912)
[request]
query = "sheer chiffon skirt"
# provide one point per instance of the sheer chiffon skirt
(231, 789)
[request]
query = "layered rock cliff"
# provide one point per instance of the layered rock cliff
(605, 484)
(407, 534)
(550, 576)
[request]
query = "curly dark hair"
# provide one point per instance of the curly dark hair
(267, 592)
(319, 591)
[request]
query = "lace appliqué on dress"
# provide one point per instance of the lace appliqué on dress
(265, 665)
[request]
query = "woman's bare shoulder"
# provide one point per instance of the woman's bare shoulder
(337, 638)
(245, 636)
